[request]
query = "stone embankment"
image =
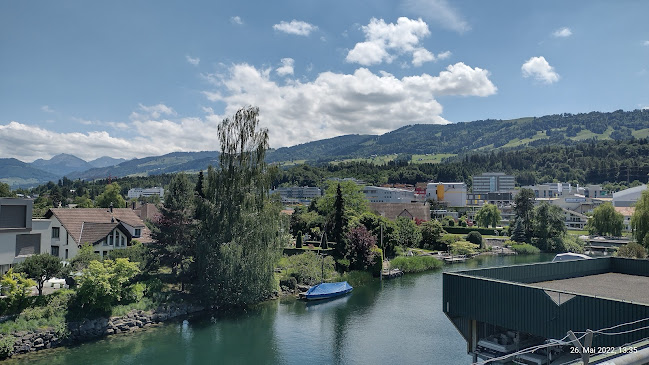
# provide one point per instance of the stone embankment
(77, 332)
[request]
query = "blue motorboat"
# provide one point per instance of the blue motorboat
(328, 290)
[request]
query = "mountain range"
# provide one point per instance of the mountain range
(449, 139)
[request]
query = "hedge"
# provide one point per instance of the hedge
(466, 230)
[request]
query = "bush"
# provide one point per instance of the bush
(463, 248)
(525, 249)
(571, 243)
(632, 250)
(377, 262)
(6, 346)
(448, 240)
(104, 284)
(415, 263)
(357, 278)
(17, 288)
(476, 238)
(306, 268)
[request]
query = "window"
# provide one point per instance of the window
(55, 251)
(137, 232)
(28, 244)
(66, 253)
(122, 241)
(56, 231)
(110, 240)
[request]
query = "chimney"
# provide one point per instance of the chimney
(111, 207)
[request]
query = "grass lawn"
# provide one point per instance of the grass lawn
(431, 158)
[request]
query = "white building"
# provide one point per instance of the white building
(493, 182)
(377, 194)
(146, 192)
(298, 194)
(103, 228)
(628, 197)
(454, 194)
(20, 235)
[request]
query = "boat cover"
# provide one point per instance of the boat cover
(329, 288)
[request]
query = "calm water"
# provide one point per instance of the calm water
(399, 321)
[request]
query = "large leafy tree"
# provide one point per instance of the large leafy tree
(41, 268)
(103, 284)
(606, 221)
(640, 219)
(5, 190)
(549, 227)
(488, 215)
(431, 235)
(111, 195)
(173, 245)
(354, 201)
(524, 210)
(373, 223)
(407, 233)
(361, 242)
(238, 225)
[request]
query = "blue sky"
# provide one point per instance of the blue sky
(139, 78)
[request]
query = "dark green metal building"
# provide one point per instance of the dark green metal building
(549, 299)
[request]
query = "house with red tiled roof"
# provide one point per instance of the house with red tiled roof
(105, 229)
(627, 213)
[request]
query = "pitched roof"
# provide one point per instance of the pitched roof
(625, 211)
(73, 220)
(147, 211)
(395, 210)
(94, 232)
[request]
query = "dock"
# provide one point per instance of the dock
(392, 273)
(455, 259)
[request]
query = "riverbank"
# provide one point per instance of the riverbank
(23, 342)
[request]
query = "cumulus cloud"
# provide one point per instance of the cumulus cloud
(47, 109)
(336, 103)
(153, 111)
(295, 27)
(236, 20)
(540, 69)
(385, 42)
(440, 12)
(193, 61)
(562, 33)
(286, 68)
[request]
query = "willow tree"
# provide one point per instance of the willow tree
(640, 219)
(238, 225)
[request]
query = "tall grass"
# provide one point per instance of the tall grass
(525, 249)
(415, 263)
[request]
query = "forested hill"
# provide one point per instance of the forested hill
(593, 162)
(558, 129)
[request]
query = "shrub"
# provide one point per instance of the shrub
(632, 250)
(377, 261)
(306, 268)
(448, 239)
(357, 278)
(525, 249)
(361, 243)
(298, 240)
(571, 243)
(103, 284)
(415, 263)
(17, 288)
(290, 283)
(6, 346)
(463, 248)
(476, 238)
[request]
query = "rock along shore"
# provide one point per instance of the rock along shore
(86, 330)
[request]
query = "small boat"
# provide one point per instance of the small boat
(570, 257)
(328, 290)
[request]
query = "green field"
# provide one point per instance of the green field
(587, 134)
(518, 142)
(376, 160)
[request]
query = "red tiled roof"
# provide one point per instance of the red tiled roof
(73, 220)
(625, 211)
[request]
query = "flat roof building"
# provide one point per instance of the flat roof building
(536, 303)
(492, 182)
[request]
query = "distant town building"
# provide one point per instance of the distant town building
(627, 213)
(453, 194)
(393, 211)
(376, 194)
(493, 182)
(146, 192)
(628, 197)
(298, 194)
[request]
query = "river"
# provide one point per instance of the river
(398, 321)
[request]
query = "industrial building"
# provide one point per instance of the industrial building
(493, 182)
(501, 311)
(298, 194)
(628, 197)
(376, 194)
(451, 194)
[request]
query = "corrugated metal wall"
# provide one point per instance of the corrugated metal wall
(524, 308)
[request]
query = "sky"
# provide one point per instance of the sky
(131, 79)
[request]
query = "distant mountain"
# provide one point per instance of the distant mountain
(106, 161)
(20, 174)
(169, 163)
(62, 164)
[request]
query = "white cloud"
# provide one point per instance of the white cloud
(540, 69)
(444, 55)
(384, 42)
(193, 61)
(440, 12)
(286, 68)
(645, 43)
(47, 109)
(335, 103)
(236, 20)
(295, 27)
(153, 111)
(562, 33)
